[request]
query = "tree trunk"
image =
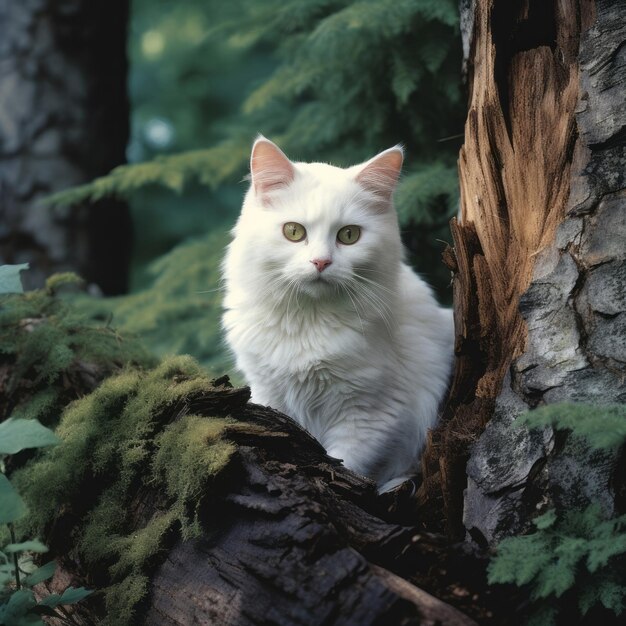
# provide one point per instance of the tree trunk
(63, 121)
(538, 258)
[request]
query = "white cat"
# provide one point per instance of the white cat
(326, 321)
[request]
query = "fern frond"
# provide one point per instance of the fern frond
(208, 167)
(602, 426)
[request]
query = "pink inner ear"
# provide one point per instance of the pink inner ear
(269, 167)
(380, 175)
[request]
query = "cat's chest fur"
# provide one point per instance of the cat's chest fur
(303, 361)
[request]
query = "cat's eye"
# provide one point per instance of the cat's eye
(349, 234)
(294, 231)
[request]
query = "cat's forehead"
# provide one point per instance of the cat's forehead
(324, 191)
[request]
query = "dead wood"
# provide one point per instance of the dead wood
(528, 158)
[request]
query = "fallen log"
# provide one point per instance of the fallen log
(283, 533)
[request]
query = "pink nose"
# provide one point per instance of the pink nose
(321, 264)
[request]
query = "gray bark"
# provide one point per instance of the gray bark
(63, 121)
(575, 313)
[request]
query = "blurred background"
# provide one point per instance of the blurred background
(178, 90)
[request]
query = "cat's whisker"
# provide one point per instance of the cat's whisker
(364, 268)
(212, 290)
(375, 283)
(380, 306)
(356, 310)
(380, 274)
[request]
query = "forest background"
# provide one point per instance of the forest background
(329, 80)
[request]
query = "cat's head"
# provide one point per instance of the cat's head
(319, 227)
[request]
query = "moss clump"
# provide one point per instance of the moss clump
(122, 440)
(61, 280)
(188, 452)
(50, 354)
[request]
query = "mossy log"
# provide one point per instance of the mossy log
(282, 533)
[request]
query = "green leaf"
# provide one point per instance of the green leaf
(27, 546)
(19, 604)
(612, 596)
(40, 574)
(12, 507)
(70, 596)
(519, 559)
(10, 281)
(19, 434)
(607, 545)
(556, 577)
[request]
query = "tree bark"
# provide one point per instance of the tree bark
(63, 121)
(538, 256)
(290, 537)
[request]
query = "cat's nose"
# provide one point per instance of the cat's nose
(321, 264)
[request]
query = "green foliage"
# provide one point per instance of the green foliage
(353, 78)
(330, 80)
(12, 507)
(44, 343)
(121, 438)
(580, 555)
(179, 312)
(208, 167)
(602, 427)
(18, 605)
(577, 554)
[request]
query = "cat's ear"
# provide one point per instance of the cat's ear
(270, 169)
(380, 174)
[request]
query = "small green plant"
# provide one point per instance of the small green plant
(18, 574)
(577, 557)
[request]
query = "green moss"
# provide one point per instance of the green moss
(137, 549)
(46, 343)
(121, 439)
(188, 452)
(62, 279)
(122, 599)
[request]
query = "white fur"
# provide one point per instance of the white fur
(360, 354)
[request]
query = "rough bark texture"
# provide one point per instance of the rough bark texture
(291, 537)
(295, 543)
(575, 311)
(540, 143)
(63, 121)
